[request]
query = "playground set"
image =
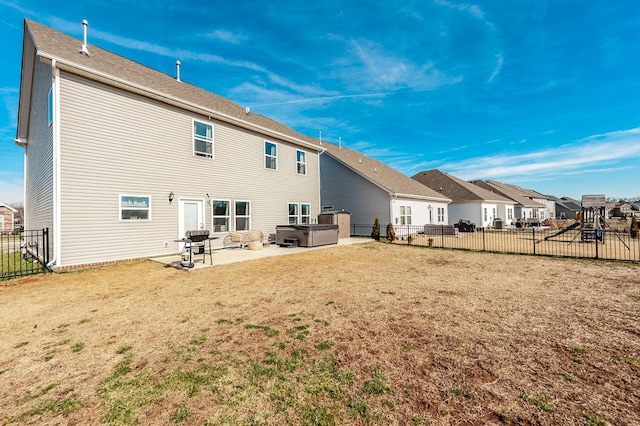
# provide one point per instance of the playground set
(592, 222)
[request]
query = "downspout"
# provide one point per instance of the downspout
(55, 135)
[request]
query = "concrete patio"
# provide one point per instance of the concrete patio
(234, 255)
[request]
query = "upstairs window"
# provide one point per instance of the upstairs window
(270, 156)
(50, 106)
(301, 162)
(202, 139)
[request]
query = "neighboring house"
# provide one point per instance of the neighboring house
(367, 188)
(121, 160)
(621, 209)
(469, 201)
(566, 207)
(549, 204)
(7, 215)
(525, 207)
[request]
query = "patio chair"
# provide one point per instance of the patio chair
(235, 240)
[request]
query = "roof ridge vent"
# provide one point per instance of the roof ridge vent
(84, 49)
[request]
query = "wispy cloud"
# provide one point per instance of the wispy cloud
(382, 70)
(226, 36)
(496, 70)
(613, 149)
(472, 9)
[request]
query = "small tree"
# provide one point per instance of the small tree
(633, 229)
(391, 233)
(375, 231)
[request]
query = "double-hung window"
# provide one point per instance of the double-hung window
(293, 213)
(299, 213)
(243, 215)
(484, 214)
(202, 139)
(305, 213)
(405, 215)
(440, 214)
(301, 162)
(220, 210)
(135, 207)
(270, 155)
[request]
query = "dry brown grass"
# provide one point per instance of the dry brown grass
(366, 334)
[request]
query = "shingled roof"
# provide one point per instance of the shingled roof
(509, 191)
(109, 68)
(460, 191)
(380, 174)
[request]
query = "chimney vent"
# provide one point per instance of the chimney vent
(247, 110)
(84, 49)
(178, 70)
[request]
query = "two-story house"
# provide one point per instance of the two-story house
(121, 160)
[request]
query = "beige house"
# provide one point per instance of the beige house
(7, 215)
(368, 188)
(121, 160)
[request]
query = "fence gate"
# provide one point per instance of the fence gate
(23, 253)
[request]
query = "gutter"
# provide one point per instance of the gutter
(128, 86)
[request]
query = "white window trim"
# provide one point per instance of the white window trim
(193, 140)
(275, 157)
(120, 219)
(405, 216)
(296, 216)
(228, 216)
(299, 163)
(302, 216)
(235, 216)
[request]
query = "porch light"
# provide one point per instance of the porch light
(170, 197)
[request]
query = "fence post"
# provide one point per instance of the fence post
(483, 249)
(45, 251)
(533, 229)
(442, 235)
(595, 235)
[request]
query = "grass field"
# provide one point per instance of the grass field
(373, 334)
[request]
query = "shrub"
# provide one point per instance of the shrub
(633, 230)
(375, 231)
(391, 233)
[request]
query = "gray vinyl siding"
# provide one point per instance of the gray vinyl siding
(343, 189)
(115, 142)
(39, 156)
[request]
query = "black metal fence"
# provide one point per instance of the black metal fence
(604, 244)
(23, 253)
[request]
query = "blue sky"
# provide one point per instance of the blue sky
(542, 94)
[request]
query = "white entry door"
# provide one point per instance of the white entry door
(191, 213)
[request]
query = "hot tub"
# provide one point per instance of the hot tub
(312, 235)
